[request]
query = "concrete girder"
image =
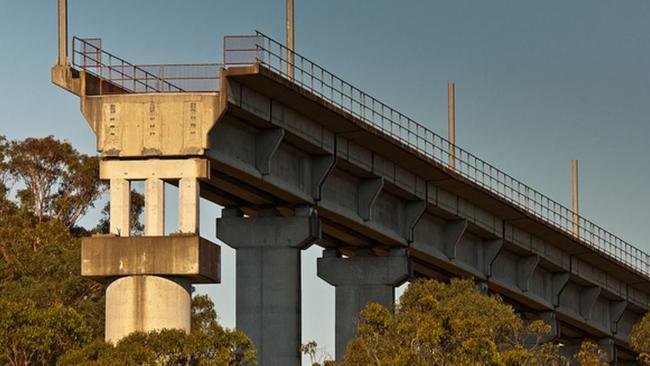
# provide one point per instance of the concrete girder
(588, 297)
(267, 142)
(367, 193)
(453, 233)
(359, 281)
(321, 167)
(268, 278)
(559, 281)
(525, 268)
(414, 211)
(491, 249)
(616, 311)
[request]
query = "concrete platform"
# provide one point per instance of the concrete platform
(188, 256)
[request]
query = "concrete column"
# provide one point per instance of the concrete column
(120, 204)
(268, 278)
(359, 281)
(146, 303)
(154, 205)
(188, 190)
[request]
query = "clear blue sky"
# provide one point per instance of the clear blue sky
(538, 83)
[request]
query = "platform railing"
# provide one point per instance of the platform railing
(258, 48)
(120, 76)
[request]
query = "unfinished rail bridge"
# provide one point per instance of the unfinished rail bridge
(297, 156)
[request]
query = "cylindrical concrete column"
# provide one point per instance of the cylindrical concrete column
(146, 303)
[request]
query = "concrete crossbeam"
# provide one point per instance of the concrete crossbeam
(154, 168)
(187, 256)
(268, 278)
(360, 281)
(525, 268)
(266, 144)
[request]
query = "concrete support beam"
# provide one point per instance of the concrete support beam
(359, 281)
(154, 168)
(120, 207)
(146, 303)
(268, 278)
(558, 283)
(413, 212)
(525, 267)
(616, 311)
(266, 144)
(154, 207)
(588, 297)
(188, 192)
(367, 194)
(452, 235)
(491, 249)
(321, 167)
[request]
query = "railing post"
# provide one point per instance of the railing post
(574, 189)
(290, 35)
(451, 122)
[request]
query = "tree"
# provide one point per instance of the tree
(640, 339)
(452, 324)
(207, 344)
(56, 180)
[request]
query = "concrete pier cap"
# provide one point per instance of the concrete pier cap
(268, 270)
(361, 280)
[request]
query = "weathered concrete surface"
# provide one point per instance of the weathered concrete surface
(146, 303)
(360, 281)
(188, 117)
(268, 279)
(188, 256)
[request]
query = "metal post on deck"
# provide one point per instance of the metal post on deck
(290, 35)
(63, 33)
(451, 122)
(574, 189)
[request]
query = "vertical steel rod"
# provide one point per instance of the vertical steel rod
(63, 33)
(451, 121)
(290, 35)
(574, 186)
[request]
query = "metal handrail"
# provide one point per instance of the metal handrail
(263, 50)
(89, 56)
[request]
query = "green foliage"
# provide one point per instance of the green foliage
(640, 339)
(208, 344)
(56, 181)
(452, 324)
(31, 335)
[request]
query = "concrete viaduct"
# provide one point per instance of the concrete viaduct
(298, 157)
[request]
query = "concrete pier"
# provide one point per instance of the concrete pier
(147, 303)
(360, 281)
(268, 278)
(149, 278)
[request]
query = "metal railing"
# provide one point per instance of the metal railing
(247, 50)
(119, 76)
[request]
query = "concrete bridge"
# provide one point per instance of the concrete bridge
(299, 157)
